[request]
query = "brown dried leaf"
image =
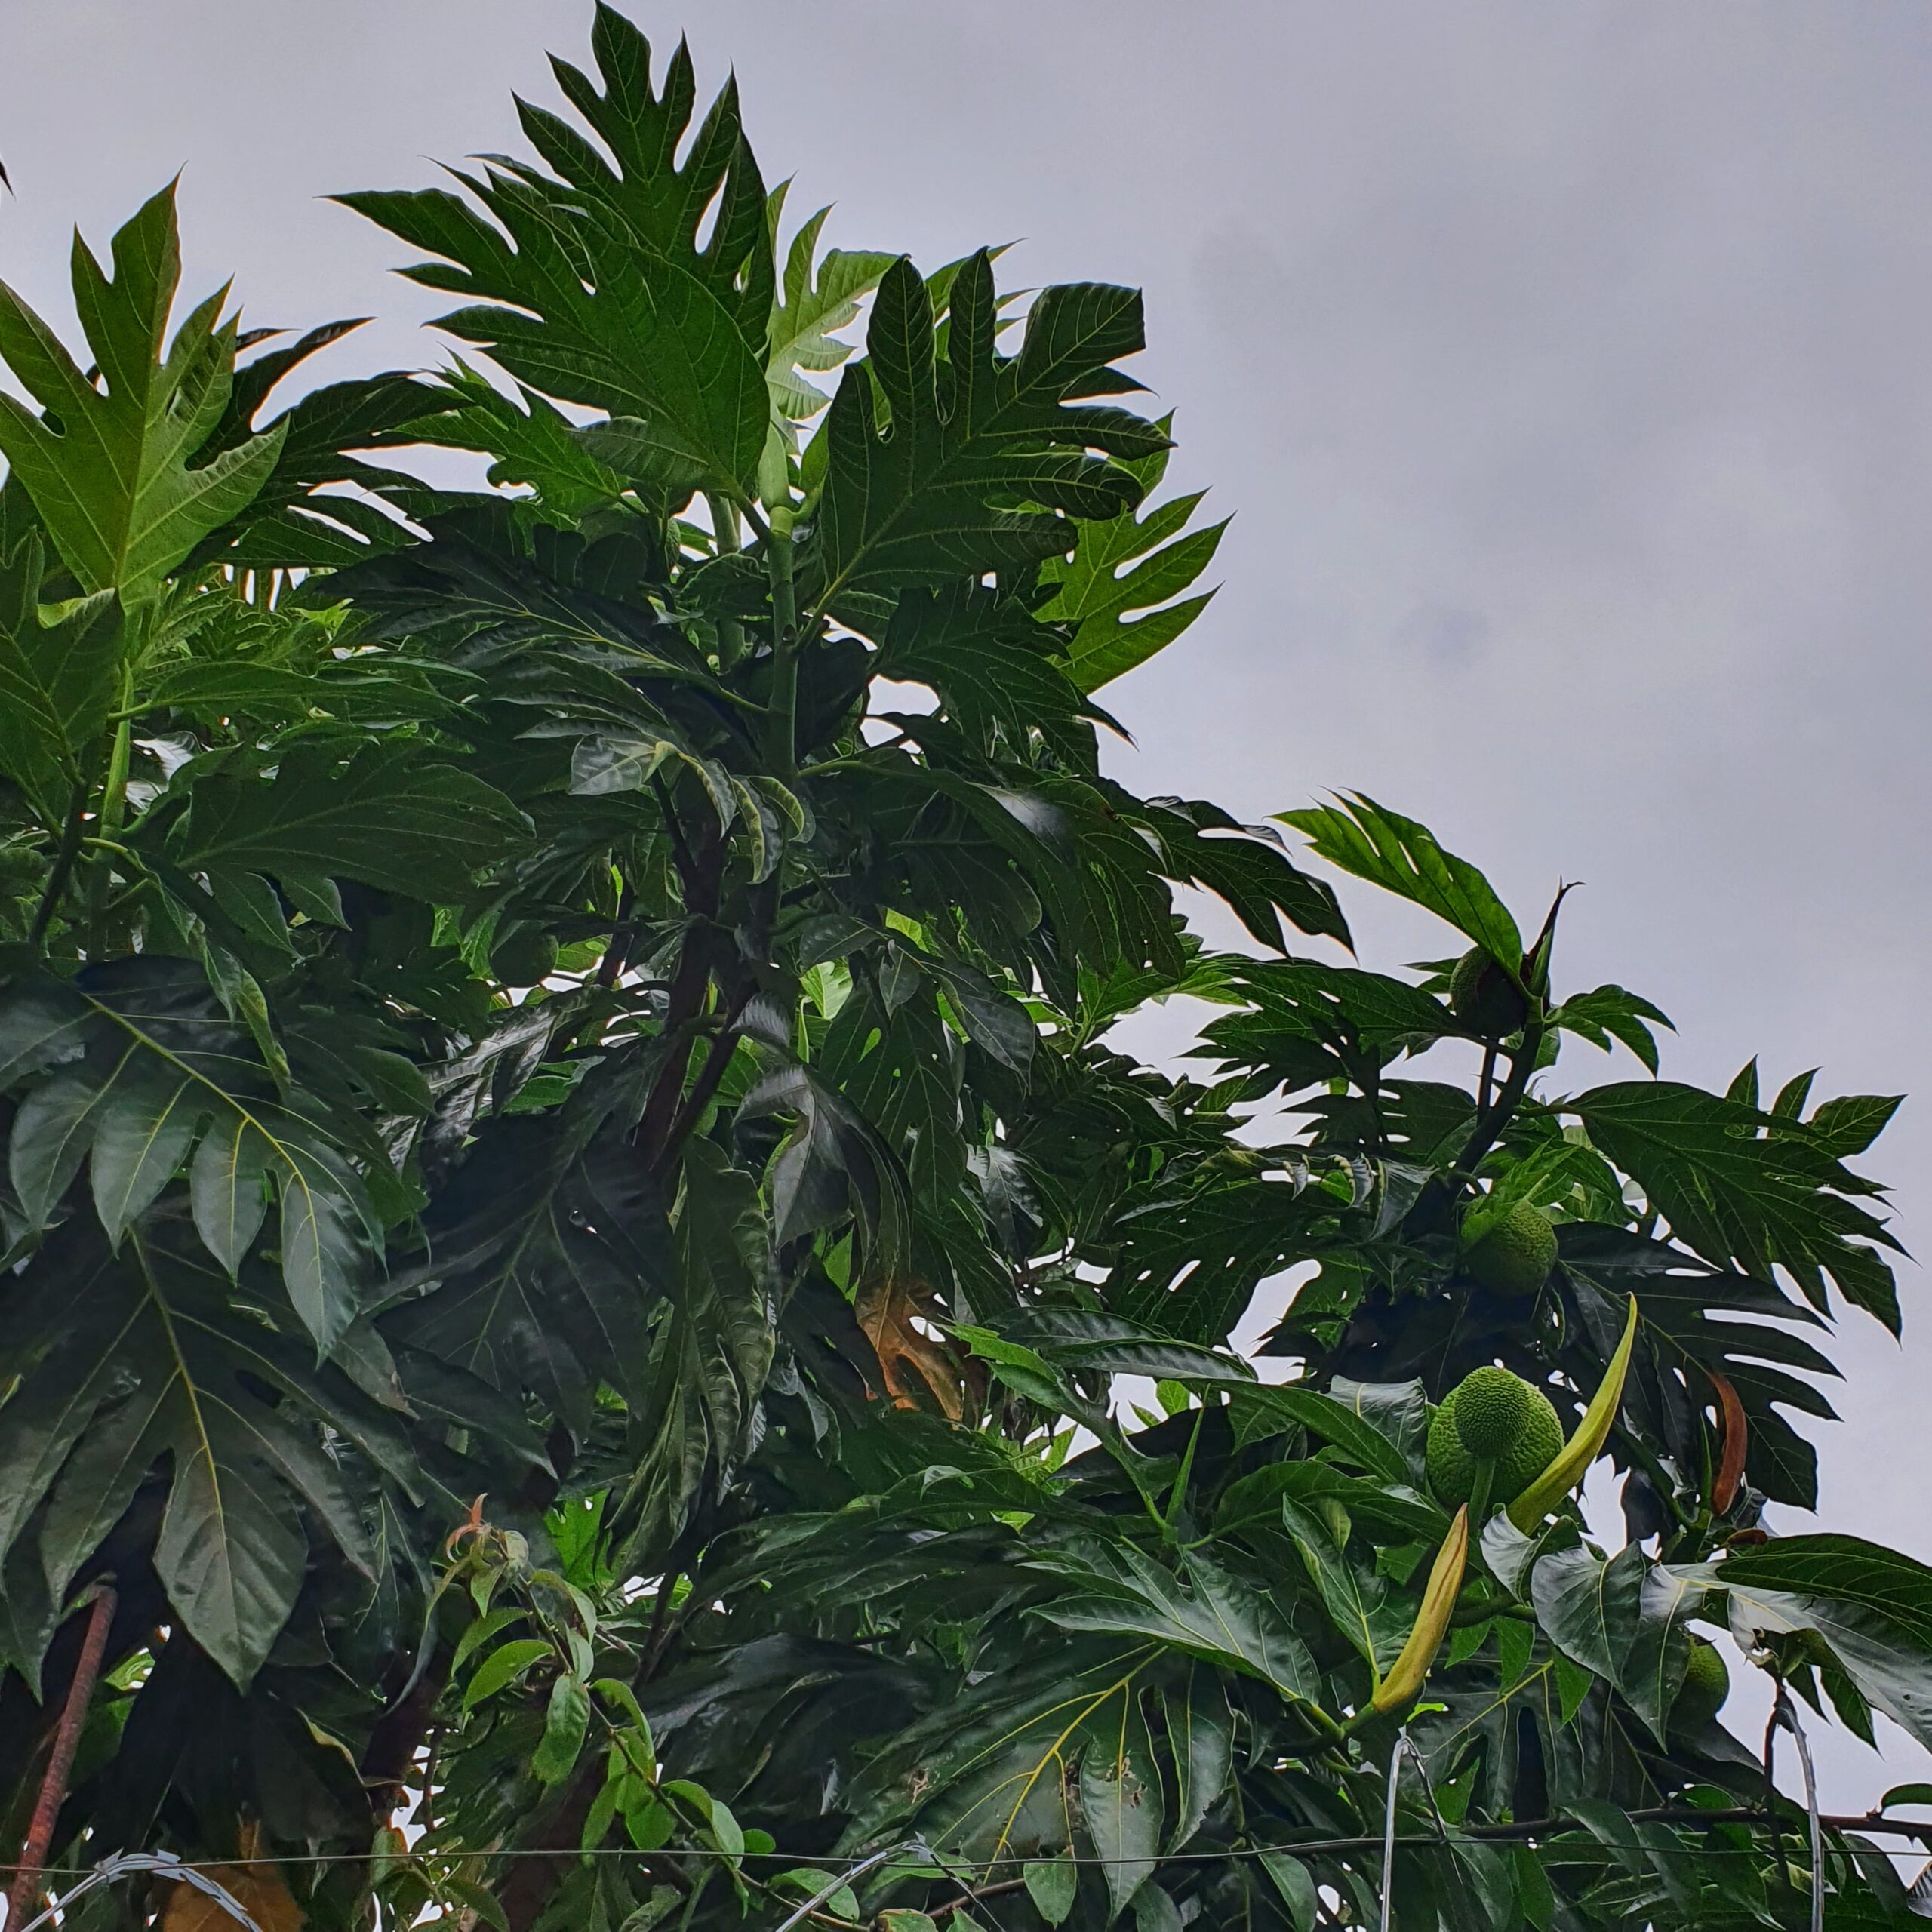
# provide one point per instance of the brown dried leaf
(886, 1306)
(259, 1890)
(1737, 1437)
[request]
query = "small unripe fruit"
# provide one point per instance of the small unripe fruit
(1491, 1413)
(1484, 998)
(1706, 1684)
(1516, 1255)
(525, 958)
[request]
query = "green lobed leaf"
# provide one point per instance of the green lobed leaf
(1201, 1738)
(1207, 1612)
(112, 482)
(818, 296)
(1611, 1013)
(164, 1069)
(58, 682)
(1120, 618)
(1120, 1799)
(594, 286)
(1359, 1604)
(1743, 1188)
(711, 1355)
(1871, 1605)
(387, 816)
(548, 1251)
(1403, 857)
(1333, 1420)
(1622, 1620)
(177, 1376)
(921, 467)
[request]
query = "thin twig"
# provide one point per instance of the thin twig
(682, 854)
(612, 964)
(655, 1637)
(975, 1894)
(710, 1076)
(63, 866)
(60, 1761)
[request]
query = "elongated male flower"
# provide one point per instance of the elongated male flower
(1582, 1450)
(1405, 1681)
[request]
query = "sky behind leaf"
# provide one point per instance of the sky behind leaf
(1564, 370)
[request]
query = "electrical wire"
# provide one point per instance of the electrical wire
(120, 1863)
(812, 1904)
(1528, 1832)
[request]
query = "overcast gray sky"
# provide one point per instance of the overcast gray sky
(1564, 368)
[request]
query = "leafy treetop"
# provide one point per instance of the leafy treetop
(573, 1221)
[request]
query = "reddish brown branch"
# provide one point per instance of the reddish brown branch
(60, 1763)
(398, 1734)
(710, 1077)
(689, 987)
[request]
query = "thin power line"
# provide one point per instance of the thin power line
(1527, 1832)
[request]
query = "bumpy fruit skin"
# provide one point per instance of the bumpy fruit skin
(1452, 1469)
(1706, 1684)
(1492, 1407)
(1484, 998)
(1515, 1256)
(1508, 1413)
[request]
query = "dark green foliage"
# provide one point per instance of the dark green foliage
(574, 1214)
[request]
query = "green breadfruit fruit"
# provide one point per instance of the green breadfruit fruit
(1539, 1445)
(1516, 1255)
(1484, 998)
(1706, 1686)
(1492, 1408)
(1452, 1469)
(1494, 1412)
(524, 958)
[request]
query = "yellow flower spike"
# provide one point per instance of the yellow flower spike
(1404, 1680)
(1583, 1448)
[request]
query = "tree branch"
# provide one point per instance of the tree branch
(710, 1075)
(60, 1760)
(783, 746)
(63, 866)
(1495, 1116)
(700, 872)
(612, 964)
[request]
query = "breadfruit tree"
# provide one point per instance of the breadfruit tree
(575, 1223)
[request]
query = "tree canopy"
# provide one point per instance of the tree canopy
(597, 1329)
